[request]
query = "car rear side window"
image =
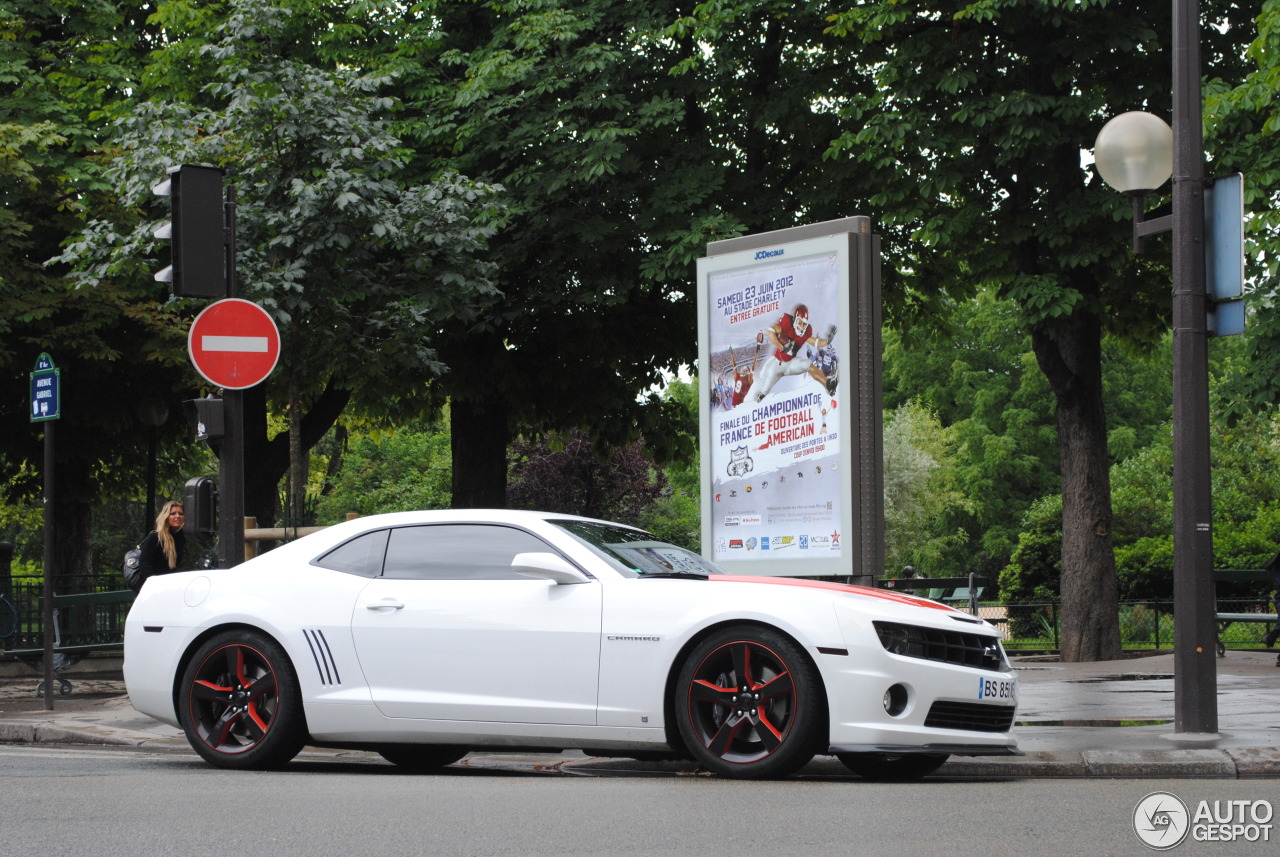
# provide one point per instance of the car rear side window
(362, 555)
(458, 552)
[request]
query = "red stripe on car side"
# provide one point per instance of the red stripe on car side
(834, 587)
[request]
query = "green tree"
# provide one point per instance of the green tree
(63, 67)
(1242, 120)
(1035, 568)
(625, 141)
(1246, 513)
(968, 123)
(565, 473)
(361, 269)
(390, 471)
(676, 514)
(977, 373)
(920, 492)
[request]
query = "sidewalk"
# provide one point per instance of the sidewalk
(1112, 719)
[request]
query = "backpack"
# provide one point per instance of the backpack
(130, 567)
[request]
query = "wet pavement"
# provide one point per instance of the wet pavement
(1109, 719)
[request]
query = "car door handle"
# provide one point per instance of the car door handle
(385, 604)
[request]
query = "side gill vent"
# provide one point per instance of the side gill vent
(325, 664)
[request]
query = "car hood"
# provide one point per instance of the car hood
(844, 588)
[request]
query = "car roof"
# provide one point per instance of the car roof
(322, 540)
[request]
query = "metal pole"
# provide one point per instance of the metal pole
(149, 517)
(867, 388)
(1195, 672)
(231, 459)
(47, 584)
(231, 475)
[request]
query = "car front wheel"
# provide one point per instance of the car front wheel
(240, 704)
(748, 704)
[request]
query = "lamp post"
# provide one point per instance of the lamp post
(1132, 152)
(152, 412)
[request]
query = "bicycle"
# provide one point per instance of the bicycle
(8, 617)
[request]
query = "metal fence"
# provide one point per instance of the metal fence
(79, 624)
(1143, 624)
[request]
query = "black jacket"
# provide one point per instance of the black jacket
(153, 561)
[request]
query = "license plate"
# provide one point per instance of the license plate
(1004, 690)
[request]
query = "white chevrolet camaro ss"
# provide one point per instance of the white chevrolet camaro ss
(425, 635)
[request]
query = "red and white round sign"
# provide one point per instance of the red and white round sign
(234, 343)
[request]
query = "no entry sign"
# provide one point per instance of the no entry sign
(234, 344)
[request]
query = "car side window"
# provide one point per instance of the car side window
(458, 552)
(362, 555)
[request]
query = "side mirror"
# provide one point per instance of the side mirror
(547, 566)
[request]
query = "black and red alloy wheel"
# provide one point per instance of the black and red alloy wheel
(233, 699)
(241, 706)
(747, 704)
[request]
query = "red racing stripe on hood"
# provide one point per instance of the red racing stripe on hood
(834, 587)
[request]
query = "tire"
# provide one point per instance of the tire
(890, 768)
(748, 704)
(240, 703)
(422, 758)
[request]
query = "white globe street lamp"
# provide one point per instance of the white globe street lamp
(1134, 152)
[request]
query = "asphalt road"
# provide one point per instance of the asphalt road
(122, 802)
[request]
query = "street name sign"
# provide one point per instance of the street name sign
(46, 398)
(234, 344)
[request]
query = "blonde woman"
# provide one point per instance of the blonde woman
(163, 547)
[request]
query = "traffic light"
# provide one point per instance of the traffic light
(200, 502)
(196, 230)
(205, 418)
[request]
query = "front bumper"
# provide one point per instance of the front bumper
(949, 708)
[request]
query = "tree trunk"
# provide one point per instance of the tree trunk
(72, 547)
(267, 459)
(1072, 361)
(479, 444)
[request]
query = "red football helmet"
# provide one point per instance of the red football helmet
(800, 319)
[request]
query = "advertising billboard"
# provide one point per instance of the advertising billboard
(782, 375)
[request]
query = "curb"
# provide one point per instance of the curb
(1128, 764)
(1232, 763)
(1115, 764)
(46, 732)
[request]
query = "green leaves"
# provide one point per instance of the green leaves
(329, 231)
(1043, 297)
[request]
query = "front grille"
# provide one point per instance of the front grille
(970, 715)
(931, 644)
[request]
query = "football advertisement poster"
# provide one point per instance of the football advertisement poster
(775, 427)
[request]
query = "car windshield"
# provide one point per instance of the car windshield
(637, 553)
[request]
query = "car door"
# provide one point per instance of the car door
(449, 632)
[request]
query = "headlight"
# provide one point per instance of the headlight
(932, 644)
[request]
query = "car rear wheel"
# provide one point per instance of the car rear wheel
(888, 767)
(748, 704)
(240, 703)
(422, 757)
